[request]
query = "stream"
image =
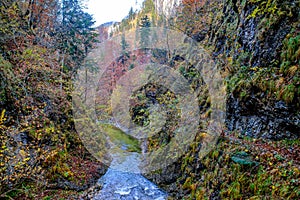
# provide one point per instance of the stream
(123, 179)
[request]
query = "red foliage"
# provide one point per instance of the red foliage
(193, 4)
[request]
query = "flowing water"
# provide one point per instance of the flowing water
(123, 179)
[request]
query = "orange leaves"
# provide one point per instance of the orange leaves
(292, 70)
(193, 4)
(194, 16)
(36, 89)
(52, 157)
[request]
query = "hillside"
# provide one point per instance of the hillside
(206, 91)
(256, 46)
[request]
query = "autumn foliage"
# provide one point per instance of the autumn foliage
(42, 44)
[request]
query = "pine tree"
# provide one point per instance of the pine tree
(144, 32)
(131, 14)
(75, 34)
(124, 46)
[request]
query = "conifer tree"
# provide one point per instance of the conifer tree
(144, 31)
(124, 46)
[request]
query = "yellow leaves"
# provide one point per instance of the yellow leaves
(51, 156)
(26, 159)
(187, 183)
(254, 68)
(297, 171)
(42, 106)
(22, 153)
(292, 70)
(49, 129)
(2, 119)
(2, 115)
(264, 7)
(230, 60)
(193, 186)
(24, 156)
(26, 124)
(279, 82)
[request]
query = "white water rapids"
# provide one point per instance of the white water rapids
(123, 180)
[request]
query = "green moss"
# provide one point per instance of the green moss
(275, 177)
(123, 140)
(291, 52)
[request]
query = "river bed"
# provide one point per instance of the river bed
(123, 179)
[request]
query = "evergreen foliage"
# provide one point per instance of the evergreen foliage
(144, 31)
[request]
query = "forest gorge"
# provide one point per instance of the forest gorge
(256, 46)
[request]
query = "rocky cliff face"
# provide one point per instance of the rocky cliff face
(256, 44)
(252, 37)
(106, 30)
(166, 7)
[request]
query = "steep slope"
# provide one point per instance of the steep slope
(256, 45)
